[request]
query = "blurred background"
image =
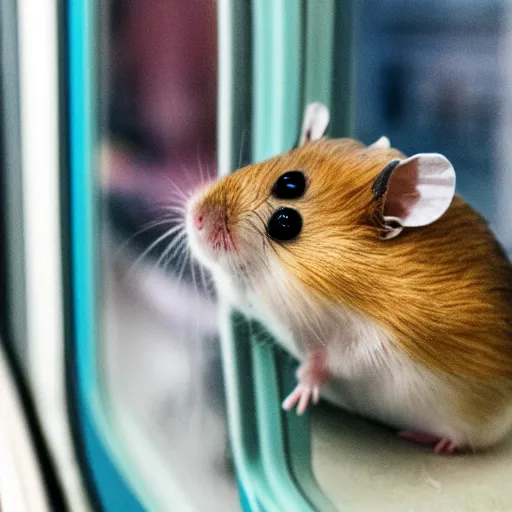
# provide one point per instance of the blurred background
(161, 343)
(432, 76)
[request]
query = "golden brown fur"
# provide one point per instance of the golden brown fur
(443, 291)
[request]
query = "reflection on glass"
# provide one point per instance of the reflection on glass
(160, 341)
(433, 77)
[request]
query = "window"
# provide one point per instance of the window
(143, 101)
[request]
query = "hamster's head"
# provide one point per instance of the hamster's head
(301, 221)
(289, 215)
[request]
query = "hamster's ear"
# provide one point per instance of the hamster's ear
(316, 120)
(382, 143)
(416, 191)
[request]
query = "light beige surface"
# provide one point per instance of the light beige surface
(362, 466)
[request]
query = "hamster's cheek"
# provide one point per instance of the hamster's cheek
(233, 293)
(198, 250)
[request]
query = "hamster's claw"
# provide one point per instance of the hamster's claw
(311, 374)
(445, 447)
(302, 396)
(442, 445)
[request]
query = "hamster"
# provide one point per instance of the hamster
(390, 289)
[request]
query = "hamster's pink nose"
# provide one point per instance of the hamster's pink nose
(198, 220)
(210, 224)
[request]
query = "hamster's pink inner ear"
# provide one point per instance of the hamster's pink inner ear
(419, 189)
(316, 120)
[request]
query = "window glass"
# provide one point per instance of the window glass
(160, 343)
(433, 77)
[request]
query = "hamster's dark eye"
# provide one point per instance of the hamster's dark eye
(285, 224)
(290, 185)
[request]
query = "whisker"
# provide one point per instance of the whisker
(183, 266)
(167, 234)
(183, 195)
(209, 173)
(191, 185)
(175, 198)
(171, 198)
(261, 219)
(170, 250)
(201, 174)
(178, 253)
(176, 209)
(194, 281)
(203, 278)
(151, 225)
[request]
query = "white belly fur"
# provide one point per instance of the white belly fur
(373, 379)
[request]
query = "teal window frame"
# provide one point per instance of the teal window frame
(110, 489)
(295, 45)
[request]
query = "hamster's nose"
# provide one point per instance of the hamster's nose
(211, 227)
(198, 219)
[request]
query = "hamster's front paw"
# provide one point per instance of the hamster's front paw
(312, 374)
